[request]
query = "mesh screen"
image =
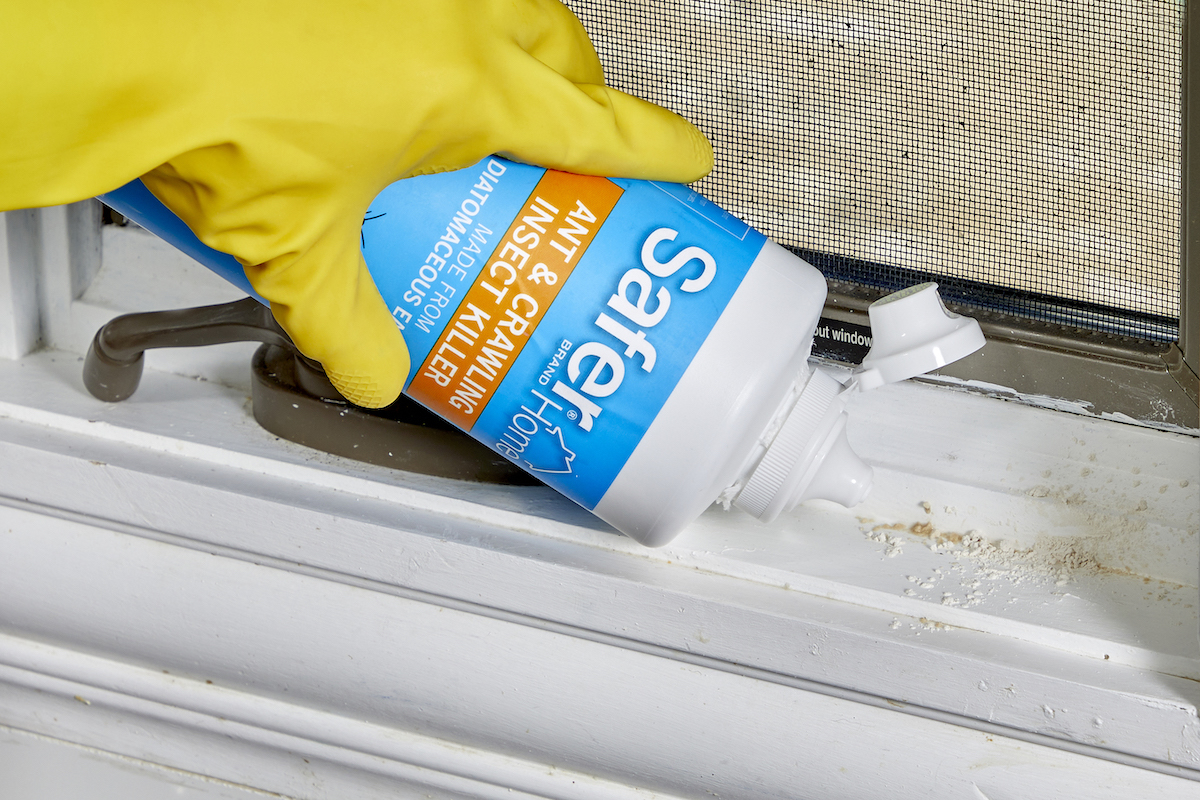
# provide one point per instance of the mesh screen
(1023, 154)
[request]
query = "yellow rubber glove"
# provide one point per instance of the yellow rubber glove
(269, 126)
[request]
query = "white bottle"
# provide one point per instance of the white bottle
(631, 344)
(628, 342)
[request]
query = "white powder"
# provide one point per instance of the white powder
(981, 564)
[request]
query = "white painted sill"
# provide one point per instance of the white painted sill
(1016, 571)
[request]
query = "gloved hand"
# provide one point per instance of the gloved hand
(269, 126)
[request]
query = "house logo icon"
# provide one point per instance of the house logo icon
(548, 453)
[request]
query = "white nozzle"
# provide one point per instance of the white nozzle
(809, 456)
(841, 476)
(913, 333)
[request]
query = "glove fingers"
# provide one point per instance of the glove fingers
(320, 293)
(597, 130)
(565, 117)
(552, 34)
(326, 301)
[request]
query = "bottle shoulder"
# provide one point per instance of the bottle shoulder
(725, 400)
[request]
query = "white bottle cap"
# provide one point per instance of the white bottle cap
(809, 457)
(913, 333)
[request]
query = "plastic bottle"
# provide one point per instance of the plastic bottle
(627, 342)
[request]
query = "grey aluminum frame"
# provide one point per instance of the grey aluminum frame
(1073, 368)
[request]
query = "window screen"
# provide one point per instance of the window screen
(1025, 155)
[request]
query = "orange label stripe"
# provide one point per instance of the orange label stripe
(522, 277)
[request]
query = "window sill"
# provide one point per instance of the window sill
(475, 633)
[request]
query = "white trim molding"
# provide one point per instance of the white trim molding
(405, 631)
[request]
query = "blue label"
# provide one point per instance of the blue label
(640, 290)
(424, 237)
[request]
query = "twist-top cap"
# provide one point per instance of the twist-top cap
(912, 333)
(809, 456)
